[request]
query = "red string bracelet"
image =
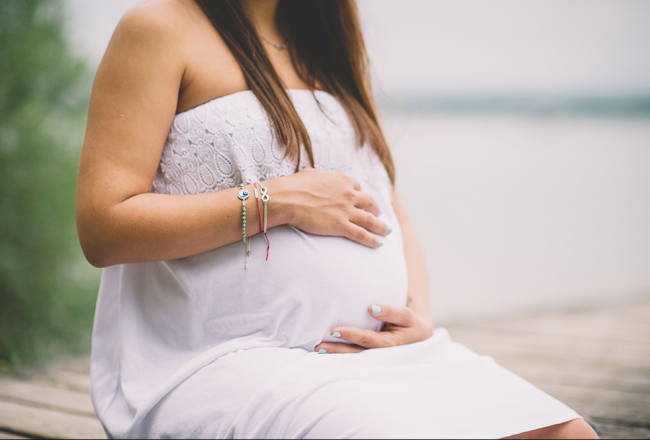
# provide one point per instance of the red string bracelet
(259, 216)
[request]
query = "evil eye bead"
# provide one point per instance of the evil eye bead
(243, 194)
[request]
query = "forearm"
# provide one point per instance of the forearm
(154, 227)
(418, 292)
(418, 285)
(117, 227)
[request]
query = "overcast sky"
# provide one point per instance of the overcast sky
(473, 47)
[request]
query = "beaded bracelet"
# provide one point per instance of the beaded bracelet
(243, 195)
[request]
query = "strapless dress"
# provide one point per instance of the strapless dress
(200, 347)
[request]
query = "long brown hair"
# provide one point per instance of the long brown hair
(327, 50)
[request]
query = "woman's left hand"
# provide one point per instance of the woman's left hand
(403, 326)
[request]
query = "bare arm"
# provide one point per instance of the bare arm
(132, 106)
(418, 292)
(133, 103)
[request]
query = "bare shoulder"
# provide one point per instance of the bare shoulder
(176, 37)
(153, 21)
(142, 70)
(147, 47)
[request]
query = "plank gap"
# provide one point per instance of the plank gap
(10, 434)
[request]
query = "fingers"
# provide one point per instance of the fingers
(368, 221)
(355, 183)
(360, 235)
(401, 316)
(367, 203)
(337, 347)
(367, 338)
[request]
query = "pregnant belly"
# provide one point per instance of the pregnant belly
(309, 285)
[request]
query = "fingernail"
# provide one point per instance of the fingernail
(381, 212)
(322, 351)
(381, 244)
(376, 309)
(390, 230)
(336, 335)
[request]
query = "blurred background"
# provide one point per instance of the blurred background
(521, 132)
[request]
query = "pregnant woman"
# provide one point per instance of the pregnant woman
(210, 123)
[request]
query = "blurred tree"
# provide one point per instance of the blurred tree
(47, 292)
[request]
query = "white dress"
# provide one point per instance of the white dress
(201, 347)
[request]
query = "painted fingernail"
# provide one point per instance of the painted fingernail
(322, 351)
(376, 309)
(390, 230)
(381, 212)
(336, 335)
(381, 244)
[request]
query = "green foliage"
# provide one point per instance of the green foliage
(47, 291)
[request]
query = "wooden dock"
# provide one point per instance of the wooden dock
(598, 362)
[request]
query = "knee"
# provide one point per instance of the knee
(575, 429)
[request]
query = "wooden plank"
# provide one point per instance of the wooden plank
(591, 395)
(611, 431)
(56, 378)
(586, 379)
(46, 397)
(39, 422)
(617, 414)
(613, 324)
(7, 435)
(74, 365)
(73, 381)
(476, 336)
(506, 347)
(553, 362)
(559, 365)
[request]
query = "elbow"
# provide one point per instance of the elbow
(95, 242)
(96, 259)
(94, 252)
(99, 228)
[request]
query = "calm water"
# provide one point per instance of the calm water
(525, 214)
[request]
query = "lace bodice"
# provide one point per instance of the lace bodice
(226, 141)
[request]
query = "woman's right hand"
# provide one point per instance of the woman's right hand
(324, 203)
